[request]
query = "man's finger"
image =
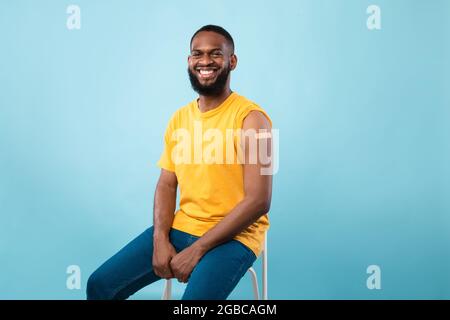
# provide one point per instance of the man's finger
(168, 274)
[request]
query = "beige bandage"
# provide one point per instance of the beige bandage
(263, 135)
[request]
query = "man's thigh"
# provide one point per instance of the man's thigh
(219, 271)
(130, 269)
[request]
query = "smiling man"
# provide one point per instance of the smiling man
(218, 231)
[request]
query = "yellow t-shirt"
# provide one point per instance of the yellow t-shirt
(202, 149)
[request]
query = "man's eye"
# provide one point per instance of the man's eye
(216, 54)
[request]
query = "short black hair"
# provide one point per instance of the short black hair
(216, 29)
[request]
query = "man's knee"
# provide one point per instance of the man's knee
(97, 288)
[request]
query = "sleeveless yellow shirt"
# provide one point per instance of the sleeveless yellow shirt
(202, 151)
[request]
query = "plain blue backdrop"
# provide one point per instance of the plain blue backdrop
(363, 117)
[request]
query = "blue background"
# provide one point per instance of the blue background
(364, 138)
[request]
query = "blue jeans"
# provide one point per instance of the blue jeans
(129, 270)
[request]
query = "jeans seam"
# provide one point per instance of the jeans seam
(225, 288)
(248, 250)
(115, 292)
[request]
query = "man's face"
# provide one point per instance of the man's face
(210, 63)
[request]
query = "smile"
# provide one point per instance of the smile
(206, 73)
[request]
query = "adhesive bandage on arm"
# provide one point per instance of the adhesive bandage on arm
(263, 135)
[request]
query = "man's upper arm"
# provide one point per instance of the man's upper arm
(257, 130)
(168, 178)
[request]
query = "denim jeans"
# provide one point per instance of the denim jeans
(129, 270)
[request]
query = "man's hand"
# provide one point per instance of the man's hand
(163, 252)
(185, 261)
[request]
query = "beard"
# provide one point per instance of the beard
(212, 89)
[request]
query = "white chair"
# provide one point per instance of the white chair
(168, 285)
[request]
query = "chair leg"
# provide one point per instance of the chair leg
(167, 290)
(264, 270)
(255, 282)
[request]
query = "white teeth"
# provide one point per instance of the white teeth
(205, 72)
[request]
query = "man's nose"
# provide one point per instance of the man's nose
(205, 59)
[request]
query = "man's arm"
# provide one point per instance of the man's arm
(256, 202)
(258, 192)
(163, 215)
(164, 204)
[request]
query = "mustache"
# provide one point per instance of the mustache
(209, 65)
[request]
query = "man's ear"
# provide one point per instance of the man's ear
(233, 61)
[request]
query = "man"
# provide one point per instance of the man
(217, 233)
